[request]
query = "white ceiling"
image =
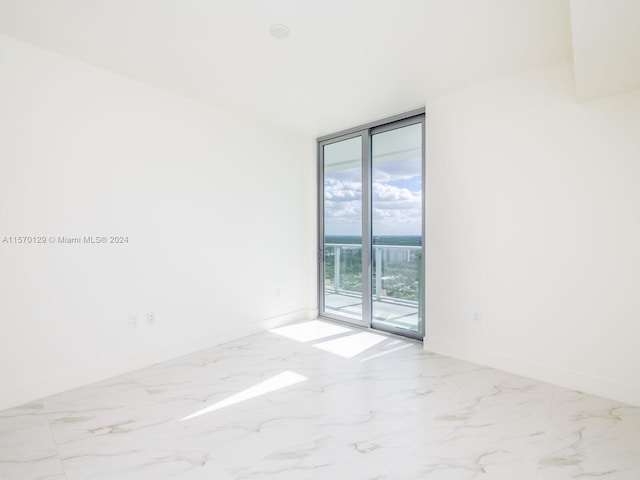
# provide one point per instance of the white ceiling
(346, 62)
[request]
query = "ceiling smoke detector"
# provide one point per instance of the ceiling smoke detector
(279, 31)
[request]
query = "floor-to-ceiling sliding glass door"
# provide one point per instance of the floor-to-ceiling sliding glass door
(342, 208)
(396, 223)
(371, 225)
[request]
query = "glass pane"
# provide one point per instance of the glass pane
(343, 228)
(397, 227)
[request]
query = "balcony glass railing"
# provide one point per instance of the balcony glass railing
(396, 272)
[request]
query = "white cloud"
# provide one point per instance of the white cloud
(384, 192)
(342, 191)
(393, 206)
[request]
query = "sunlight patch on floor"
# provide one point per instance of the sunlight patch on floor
(349, 347)
(285, 379)
(310, 331)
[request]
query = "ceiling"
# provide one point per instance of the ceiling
(346, 62)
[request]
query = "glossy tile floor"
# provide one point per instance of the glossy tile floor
(319, 401)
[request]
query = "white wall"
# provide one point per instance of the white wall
(215, 208)
(534, 223)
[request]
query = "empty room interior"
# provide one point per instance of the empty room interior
(284, 239)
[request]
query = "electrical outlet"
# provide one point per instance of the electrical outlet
(477, 318)
(151, 318)
(278, 292)
(133, 321)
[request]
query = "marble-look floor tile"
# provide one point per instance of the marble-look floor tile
(492, 431)
(591, 437)
(154, 463)
(27, 448)
(110, 394)
(270, 406)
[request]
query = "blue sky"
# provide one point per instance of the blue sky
(396, 196)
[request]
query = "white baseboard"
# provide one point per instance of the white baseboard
(571, 379)
(45, 387)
